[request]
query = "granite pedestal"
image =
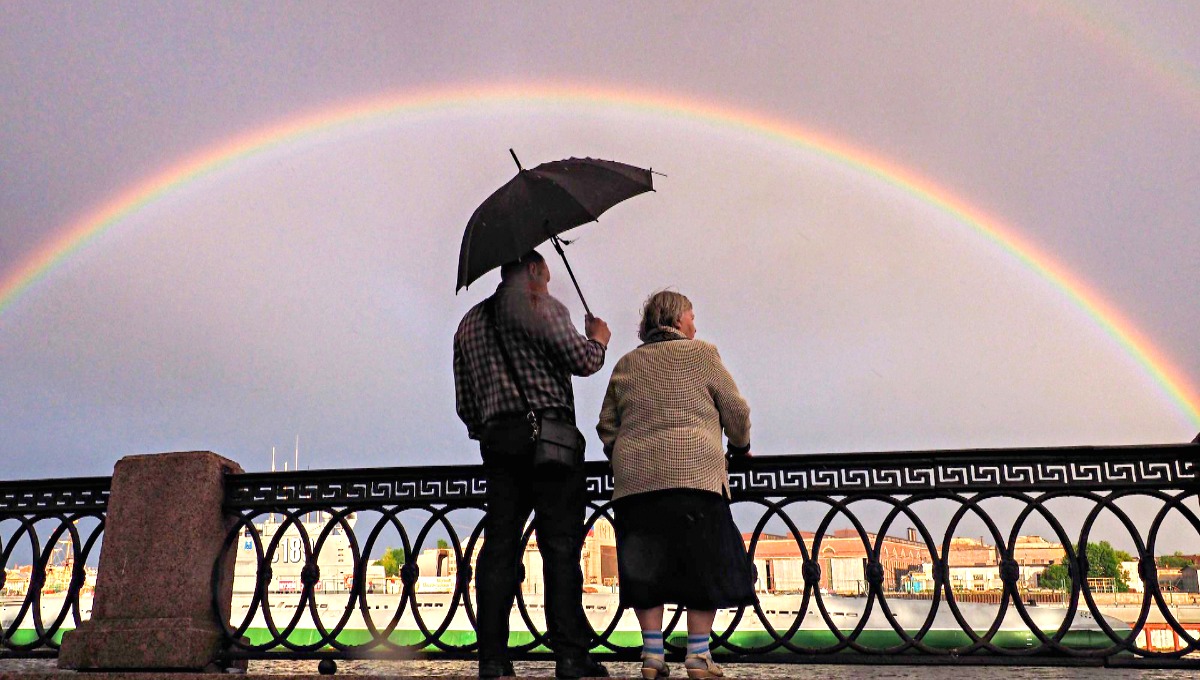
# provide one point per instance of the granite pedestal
(153, 607)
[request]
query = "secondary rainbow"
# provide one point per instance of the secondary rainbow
(1159, 62)
(1172, 381)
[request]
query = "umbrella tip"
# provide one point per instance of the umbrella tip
(517, 160)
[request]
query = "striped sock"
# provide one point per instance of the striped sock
(697, 645)
(652, 644)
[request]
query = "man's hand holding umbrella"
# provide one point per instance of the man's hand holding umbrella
(539, 204)
(596, 329)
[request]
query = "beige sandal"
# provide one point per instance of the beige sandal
(702, 666)
(653, 668)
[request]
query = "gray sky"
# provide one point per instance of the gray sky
(308, 289)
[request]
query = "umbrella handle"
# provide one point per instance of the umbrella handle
(558, 247)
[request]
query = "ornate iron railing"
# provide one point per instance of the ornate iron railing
(48, 596)
(792, 508)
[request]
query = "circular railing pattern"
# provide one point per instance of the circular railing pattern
(38, 519)
(864, 499)
(331, 629)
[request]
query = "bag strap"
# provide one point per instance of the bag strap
(489, 308)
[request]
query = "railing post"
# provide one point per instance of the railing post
(163, 533)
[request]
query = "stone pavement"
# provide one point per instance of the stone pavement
(375, 670)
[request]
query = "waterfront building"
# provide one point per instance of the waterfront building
(973, 578)
(59, 571)
(843, 558)
(16, 580)
(1036, 551)
(438, 569)
(1130, 571)
(1032, 551)
(598, 561)
(966, 551)
(974, 566)
(1189, 580)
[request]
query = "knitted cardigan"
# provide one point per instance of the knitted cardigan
(661, 421)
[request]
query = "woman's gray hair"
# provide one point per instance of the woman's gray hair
(662, 309)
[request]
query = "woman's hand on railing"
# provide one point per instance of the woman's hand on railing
(738, 457)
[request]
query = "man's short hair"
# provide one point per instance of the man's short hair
(517, 266)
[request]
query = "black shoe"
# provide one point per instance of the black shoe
(587, 667)
(494, 668)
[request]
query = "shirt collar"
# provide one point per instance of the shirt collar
(663, 334)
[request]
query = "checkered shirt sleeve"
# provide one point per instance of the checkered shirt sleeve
(545, 348)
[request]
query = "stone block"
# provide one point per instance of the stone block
(163, 533)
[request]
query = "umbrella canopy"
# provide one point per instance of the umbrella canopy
(539, 204)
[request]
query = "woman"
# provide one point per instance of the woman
(661, 422)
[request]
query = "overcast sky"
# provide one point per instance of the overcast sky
(308, 289)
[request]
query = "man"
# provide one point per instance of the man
(546, 350)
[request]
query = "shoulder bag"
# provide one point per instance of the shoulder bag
(557, 443)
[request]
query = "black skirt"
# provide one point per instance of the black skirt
(680, 546)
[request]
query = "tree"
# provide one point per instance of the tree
(392, 560)
(1104, 561)
(1176, 561)
(442, 543)
(1055, 576)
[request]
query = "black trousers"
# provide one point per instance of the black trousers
(557, 499)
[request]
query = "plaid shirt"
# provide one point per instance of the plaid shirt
(545, 348)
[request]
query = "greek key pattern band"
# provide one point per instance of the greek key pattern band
(787, 479)
(1158, 467)
(88, 494)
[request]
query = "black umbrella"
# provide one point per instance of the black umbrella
(537, 205)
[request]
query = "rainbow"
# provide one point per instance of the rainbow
(95, 224)
(1161, 64)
